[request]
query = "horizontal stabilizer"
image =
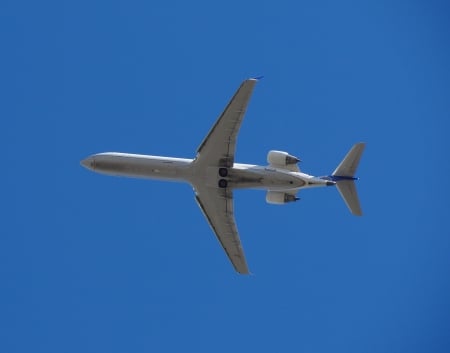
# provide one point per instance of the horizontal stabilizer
(350, 163)
(344, 176)
(347, 189)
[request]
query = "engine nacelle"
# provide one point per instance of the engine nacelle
(279, 197)
(281, 158)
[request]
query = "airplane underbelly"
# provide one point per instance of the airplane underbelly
(139, 167)
(264, 179)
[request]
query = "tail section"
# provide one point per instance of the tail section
(344, 176)
(347, 168)
(347, 189)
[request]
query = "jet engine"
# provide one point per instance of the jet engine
(279, 197)
(281, 158)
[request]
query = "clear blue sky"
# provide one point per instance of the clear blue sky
(90, 263)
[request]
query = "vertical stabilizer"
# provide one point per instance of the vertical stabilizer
(345, 180)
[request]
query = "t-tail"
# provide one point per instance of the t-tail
(344, 176)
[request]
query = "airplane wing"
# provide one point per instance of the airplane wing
(217, 206)
(217, 149)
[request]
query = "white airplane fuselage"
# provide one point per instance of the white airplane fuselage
(187, 170)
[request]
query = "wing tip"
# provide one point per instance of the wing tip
(257, 78)
(245, 272)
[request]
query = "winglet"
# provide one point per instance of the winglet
(257, 78)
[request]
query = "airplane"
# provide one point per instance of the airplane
(214, 174)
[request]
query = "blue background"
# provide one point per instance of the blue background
(90, 263)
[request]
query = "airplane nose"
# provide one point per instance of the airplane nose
(88, 163)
